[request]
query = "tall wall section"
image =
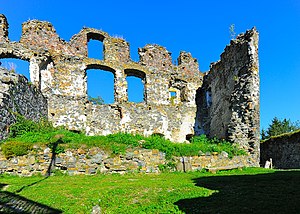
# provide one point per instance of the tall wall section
(59, 69)
(17, 95)
(228, 101)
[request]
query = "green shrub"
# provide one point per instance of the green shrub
(168, 167)
(23, 126)
(118, 149)
(14, 148)
(125, 138)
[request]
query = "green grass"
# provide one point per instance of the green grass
(116, 143)
(252, 190)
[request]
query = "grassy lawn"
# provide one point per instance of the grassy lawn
(247, 191)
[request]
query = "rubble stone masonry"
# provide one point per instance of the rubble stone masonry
(179, 100)
(18, 96)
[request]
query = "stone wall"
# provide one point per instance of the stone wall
(284, 151)
(94, 160)
(17, 95)
(228, 101)
(227, 97)
(59, 69)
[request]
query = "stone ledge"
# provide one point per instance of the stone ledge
(222, 168)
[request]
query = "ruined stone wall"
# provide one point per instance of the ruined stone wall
(17, 95)
(3, 29)
(228, 102)
(94, 161)
(227, 97)
(59, 68)
(284, 151)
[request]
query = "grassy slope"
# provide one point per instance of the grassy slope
(248, 191)
(116, 143)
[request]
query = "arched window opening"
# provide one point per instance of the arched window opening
(95, 49)
(17, 66)
(135, 85)
(100, 86)
(95, 46)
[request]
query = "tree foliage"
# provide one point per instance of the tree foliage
(96, 100)
(278, 127)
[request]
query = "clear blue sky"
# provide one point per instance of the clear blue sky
(196, 26)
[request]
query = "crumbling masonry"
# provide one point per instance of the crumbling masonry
(179, 100)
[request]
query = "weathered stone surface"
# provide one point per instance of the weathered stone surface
(227, 97)
(17, 95)
(59, 69)
(96, 210)
(228, 102)
(283, 150)
(135, 160)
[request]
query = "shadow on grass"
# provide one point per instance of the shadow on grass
(13, 203)
(277, 192)
(29, 185)
(48, 173)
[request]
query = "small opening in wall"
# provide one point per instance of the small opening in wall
(95, 49)
(52, 114)
(18, 66)
(100, 86)
(208, 96)
(188, 137)
(173, 94)
(75, 131)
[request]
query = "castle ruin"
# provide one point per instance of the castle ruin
(179, 100)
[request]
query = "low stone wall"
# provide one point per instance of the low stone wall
(284, 151)
(94, 161)
(212, 162)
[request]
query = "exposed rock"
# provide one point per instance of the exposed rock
(96, 210)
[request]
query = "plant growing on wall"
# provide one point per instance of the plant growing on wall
(232, 31)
